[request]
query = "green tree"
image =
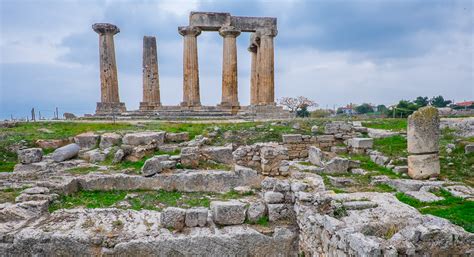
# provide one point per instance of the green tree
(382, 108)
(422, 101)
(364, 108)
(302, 112)
(438, 101)
(404, 108)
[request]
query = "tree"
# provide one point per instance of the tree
(438, 101)
(404, 108)
(364, 108)
(302, 112)
(422, 101)
(382, 108)
(297, 103)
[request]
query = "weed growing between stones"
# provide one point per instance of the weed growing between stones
(457, 210)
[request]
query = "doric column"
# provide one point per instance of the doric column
(253, 48)
(191, 97)
(110, 101)
(265, 66)
(151, 83)
(229, 67)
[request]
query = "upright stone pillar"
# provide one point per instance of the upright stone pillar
(109, 101)
(151, 83)
(266, 73)
(229, 67)
(253, 70)
(191, 97)
(423, 143)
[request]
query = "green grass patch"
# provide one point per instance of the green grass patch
(88, 199)
(387, 124)
(7, 166)
(171, 153)
(394, 146)
(455, 209)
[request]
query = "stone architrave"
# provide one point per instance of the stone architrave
(151, 83)
(191, 96)
(229, 67)
(423, 142)
(110, 101)
(253, 48)
(265, 66)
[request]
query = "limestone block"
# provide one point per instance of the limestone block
(315, 156)
(423, 166)
(176, 137)
(278, 212)
(400, 169)
(274, 197)
(424, 196)
(109, 139)
(173, 217)
(364, 143)
(338, 149)
(144, 138)
(423, 131)
(340, 181)
(221, 154)
(118, 156)
(271, 158)
(256, 211)
(36, 190)
(359, 205)
(30, 155)
(469, 148)
(380, 133)
(94, 156)
(52, 143)
(65, 153)
(228, 213)
(292, 138)
(153, 165)
(196, 217)
(337, 165)
(88, 140)
(190, 156)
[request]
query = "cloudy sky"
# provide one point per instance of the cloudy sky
(332, 51)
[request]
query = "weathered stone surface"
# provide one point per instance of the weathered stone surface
(339, 149)
(400, 169)
(196, 217)
(469, 148)
(315, 156)
(279, 212)
(359, 205)
(109, 139)
(423, 131)
(274, 197)
(154, 165)
(30, 155)
(463, 191)
(380, 133)
(337, 127)
(221, 154)
(52, 143)
(173, 217)
(88, 140)
(275, 184)
(228, 213)
(256, 211)
(424, 196)
(36, 190)
(190, 156)
(118, 156)
(176, 137)
(364, 143)
(144, 138)
(94, 156)
(271, 158)
(292, 138)
(65, 153)
(340, 181)
(423, 166)
(337, 165)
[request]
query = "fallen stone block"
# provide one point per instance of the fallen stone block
(109, 139)
(228, 213)
(315, 156)
(154, 165)
(30, 155)
(88, 140)
(362, 143)
(274, 197)
(65, 153)
(144, 138)
(176, 137)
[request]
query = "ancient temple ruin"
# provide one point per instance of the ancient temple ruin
(262, 78)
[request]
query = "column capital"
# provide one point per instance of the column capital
(105, 28)
(189, 31)
(229, 31)
(267, 32)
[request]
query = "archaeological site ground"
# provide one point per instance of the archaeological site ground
(232, 180)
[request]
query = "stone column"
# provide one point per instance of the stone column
(229, 67)
(423, 143)
(253, 70)
(109, 101)
(151, 83)
(265, 66)
(191, 97)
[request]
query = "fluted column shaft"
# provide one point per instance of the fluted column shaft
(108, 66)
(266, 73)
(253, 49)
(229, 67)
(151, 84)
(191, 96)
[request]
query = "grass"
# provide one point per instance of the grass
(7, 166)
(141, 200)
(262, 221)
(171, 153)
(457, 165)
(457, 210)
(387, 124)
(394, 146)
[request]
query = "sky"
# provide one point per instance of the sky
(332, 51)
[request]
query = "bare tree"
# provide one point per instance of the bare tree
(297, 103)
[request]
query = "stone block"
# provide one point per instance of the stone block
(144, 138)
(109, 139)
(190, 156)
(274, 197)
(94, 156)
(153, 165)
(221, 154)
(325, 138)
(279, 212)
(292, 138)
(424, 196)
(400, 169)
(337, 165)
(88, 140)
(173, 217)
(364, 143)
(30, 155)
(469, 148)
(228, 213)
(256, 211)
(176, 137)
(315, 156)
(338, 149)
(423, 131)
(65, 153)
(52, 143)
(196, 217)
(423, 166)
